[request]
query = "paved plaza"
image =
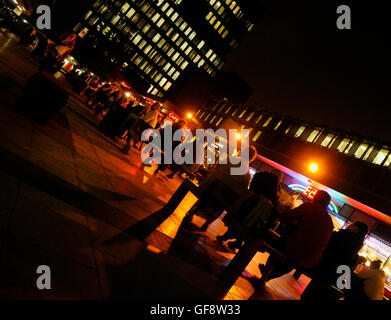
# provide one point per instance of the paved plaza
(70, 199)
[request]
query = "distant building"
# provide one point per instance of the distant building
(164, 40)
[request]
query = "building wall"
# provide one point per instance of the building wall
(161, 39)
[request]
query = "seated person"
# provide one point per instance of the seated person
(309, 230)
(342, 249)
(373, 281)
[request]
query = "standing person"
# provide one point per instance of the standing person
(181, 124)
(211, 200)
(152, 116)
(28, 38)
(102, 95)
(41, 49)
(342, 249)
(65, 46)
(309, 231)
(263, 183)
(91, 90)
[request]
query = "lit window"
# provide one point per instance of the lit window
(224, 34)
(201, 44)
(192, 35)
(250, 116)
(87, 15)
(242, 114)
(115, 19)
(349, 147)
(369, 151)
(176, 75)
(299, 132)
(167, 86)
(155, 17)
(156, 38)
(257, 136)
(388, 161)
(326, 141)
(184, 65)
(267, 122)
(229, 108)
(207, 117)
(235, 111)
(313, 136)
(381, 155)
(343, 145)
(361, 150)
(209, 15)
(125, 7)
(258, 119)
(202, 115)
(130, 13)
(211, 121)
(278, 125)
(136, 39)
(218, 122)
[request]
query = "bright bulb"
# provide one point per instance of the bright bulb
(313, 167)
(238, 136)
(189, 115)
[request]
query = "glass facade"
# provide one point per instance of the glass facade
(159, 41)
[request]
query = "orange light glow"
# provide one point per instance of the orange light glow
(189, 115)
(238, 136)
(313, 167)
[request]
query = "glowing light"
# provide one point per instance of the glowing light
(313, 167)
(238, 136)
(310, 192)
(189, 115)
(368, 263)
(127, 94)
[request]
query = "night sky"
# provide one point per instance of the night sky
(300, 64)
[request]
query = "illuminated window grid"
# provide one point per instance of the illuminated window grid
(176, 55)
(187, 49)
(229, 108)
(217, 25)
(211, 120)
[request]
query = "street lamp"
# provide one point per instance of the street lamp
(313, 167)
(189, 116)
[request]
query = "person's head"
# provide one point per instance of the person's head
(278, 174)
(180, 124)
(376, 264)
(156, 106)
(359, 228)
(322, 198)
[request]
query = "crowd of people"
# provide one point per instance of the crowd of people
(307, 237)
